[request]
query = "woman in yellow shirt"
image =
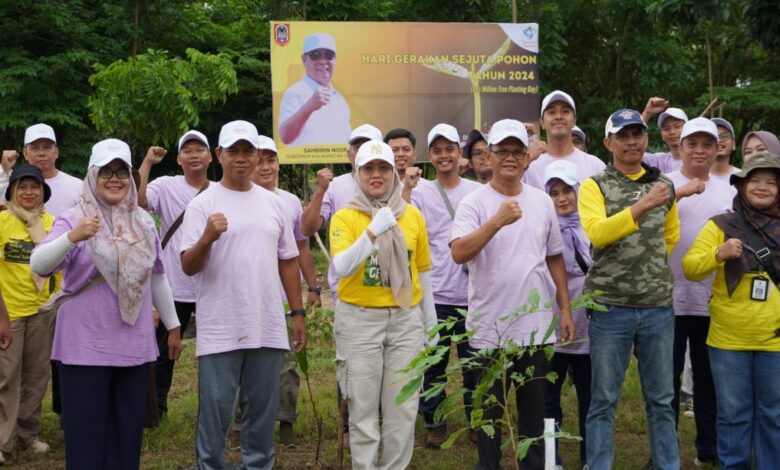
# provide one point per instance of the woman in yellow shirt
(380, 249)
(744, 335)
(24, 367)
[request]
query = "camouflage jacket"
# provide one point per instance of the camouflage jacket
(633, 271)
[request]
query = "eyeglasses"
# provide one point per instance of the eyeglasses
(478, 153)
(317, 53)
(107, 173)
(503, 154)
(724, 136)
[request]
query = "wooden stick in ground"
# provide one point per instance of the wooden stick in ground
(321, 245)
(709, 106)
(340, 445)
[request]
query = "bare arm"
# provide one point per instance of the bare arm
(291, 281)
(291, 127)
(194, 260)
(311, 220)
(306, 265)
(6, 338)
(557, 268)
(153, 156)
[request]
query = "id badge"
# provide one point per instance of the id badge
(759, 288)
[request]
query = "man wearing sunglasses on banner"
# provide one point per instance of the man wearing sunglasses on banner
(312, 111)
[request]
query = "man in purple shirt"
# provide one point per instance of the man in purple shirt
(437, 201)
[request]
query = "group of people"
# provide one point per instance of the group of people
(679, 248)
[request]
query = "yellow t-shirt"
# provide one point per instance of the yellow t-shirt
(737, 323)
(19, 293)
(364, 287)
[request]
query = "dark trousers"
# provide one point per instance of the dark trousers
(56, 398)
(435, 374)
(530, 414)
(163, 368)
(577, 366)
(104, 416)
(692, 331)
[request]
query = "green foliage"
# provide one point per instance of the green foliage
(153, 99)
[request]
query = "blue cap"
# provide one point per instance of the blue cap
(622, 118)
(724, 123)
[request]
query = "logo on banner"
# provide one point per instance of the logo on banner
(282, 33)
(529, 32)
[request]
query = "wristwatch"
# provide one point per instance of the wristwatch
(316, 290)
(298, 313)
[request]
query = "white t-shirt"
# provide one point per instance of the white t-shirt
(65, 193)
(510, 266)
(449, 280)
(168, 196)
(727, 177)
(239, 304)
(692, 298)
(587, 164)
(328, 125)
(664, 161)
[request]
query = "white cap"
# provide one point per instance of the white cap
(319, 41)
(365, 131)
(699, 124)
(234, 131)
(106, 151)
(562, 170)
(374, 149)
(39, 131)
(193, 135)
(672, 112)
(558, 95)
(443, 130)
(266, 143)
(506, 128)
(577, 131)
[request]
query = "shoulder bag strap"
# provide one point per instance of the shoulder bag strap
(759, 248)
(176, 223)
(445, 199)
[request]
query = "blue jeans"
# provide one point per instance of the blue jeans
(219, 375)
(747, 387)
(612, 335)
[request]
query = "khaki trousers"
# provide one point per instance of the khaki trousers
(372, 346)
(24, 374)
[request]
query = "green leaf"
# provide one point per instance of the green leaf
(409, 390)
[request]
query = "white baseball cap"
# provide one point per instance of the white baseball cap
(106, 151)
(557, 95)
(234, 131)
(266, 143)
(577, 131)
(672, 112)
(724, 123)
(193, 135)
(562, 170)
(506, 128)
(443, 130)
(39, 131)
(699, 124)
(365, 131)
(319, 41)
(374, 149)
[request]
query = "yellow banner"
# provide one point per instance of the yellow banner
(330, 77)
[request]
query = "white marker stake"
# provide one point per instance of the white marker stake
(549, 444)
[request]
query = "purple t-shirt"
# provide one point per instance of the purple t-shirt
(294, 209)
(664, 161)
(510, 266)
(449, 280)
(726, 178)
(692, 298)
(340, 191)
(168, 196)
(89, 329)
(587, 164)
(65, 193)
(239, 304)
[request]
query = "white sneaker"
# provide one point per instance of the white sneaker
(38, 446)
(2, 459)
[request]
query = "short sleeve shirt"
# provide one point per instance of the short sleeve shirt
(238, 298)
(587, 164)
(65, 193)
(328, 125)
(512, 268)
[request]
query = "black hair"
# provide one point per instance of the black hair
(400, 134)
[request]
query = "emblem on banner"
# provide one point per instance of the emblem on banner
(282, 33)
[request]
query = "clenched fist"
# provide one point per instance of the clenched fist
(508, 213)
(694, 186)
(216, 225)
(320, 98)
(155, 154)
(658, 196)
(9, 159)
(324, 177)
(412, 177)
(731, 249)
(86, 229)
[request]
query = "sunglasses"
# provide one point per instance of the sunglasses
(318, 53)
(107, 173)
